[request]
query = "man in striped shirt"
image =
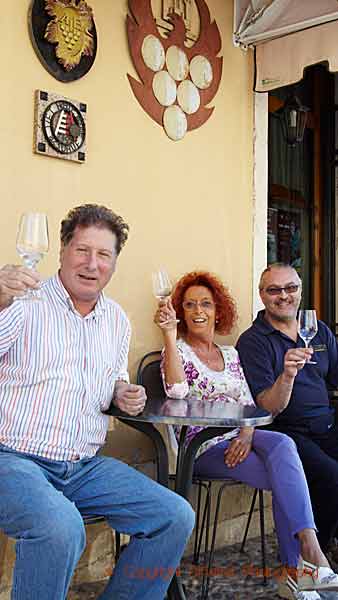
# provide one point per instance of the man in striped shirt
(63, 359)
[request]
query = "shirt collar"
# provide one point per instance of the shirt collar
(265, 328)
(64, 297)
(263, 325)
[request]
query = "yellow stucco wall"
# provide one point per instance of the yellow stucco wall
(189, 203)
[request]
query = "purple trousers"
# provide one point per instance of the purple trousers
(273, 464)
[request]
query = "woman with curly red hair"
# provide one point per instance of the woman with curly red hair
(200, 307)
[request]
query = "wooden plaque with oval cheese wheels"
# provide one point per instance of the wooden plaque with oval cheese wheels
(179, 74)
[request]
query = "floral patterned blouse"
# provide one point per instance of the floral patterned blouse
(229, 384)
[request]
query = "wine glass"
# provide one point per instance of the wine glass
(161, 284)
(32, 242)
(162, 287)
(307, 328)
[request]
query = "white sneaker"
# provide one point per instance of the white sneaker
(289, 590)
(311, 577)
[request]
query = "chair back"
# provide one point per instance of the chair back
(149, 374)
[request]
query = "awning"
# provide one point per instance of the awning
(289, 35)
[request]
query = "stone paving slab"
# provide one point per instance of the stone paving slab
(234, 576)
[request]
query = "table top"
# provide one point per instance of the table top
(194, 411)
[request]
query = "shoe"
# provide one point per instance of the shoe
(289, 590)
(312, 577)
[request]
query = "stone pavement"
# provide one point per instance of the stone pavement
(235, 576)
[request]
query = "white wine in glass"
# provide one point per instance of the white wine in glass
(307, 328)
(32, 242)
(161, 287)
(161, 284)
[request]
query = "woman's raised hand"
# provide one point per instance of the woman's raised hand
(165, 316)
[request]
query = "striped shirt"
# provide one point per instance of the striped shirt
(58, 371)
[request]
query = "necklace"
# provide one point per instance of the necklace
(203, 356)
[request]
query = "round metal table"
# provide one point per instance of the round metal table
(214, 415)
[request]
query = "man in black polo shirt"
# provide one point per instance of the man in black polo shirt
(281, 381)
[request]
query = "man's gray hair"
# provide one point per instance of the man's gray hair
(276, 265)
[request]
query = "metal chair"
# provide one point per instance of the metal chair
(149, 375)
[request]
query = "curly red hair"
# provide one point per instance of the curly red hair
(225, 305)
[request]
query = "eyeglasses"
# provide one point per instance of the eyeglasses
(190, 305)
(288, 289)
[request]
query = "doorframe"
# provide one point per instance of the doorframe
(260, 194)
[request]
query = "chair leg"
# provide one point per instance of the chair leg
(208, 563)
(117, 545)
(262, 527)
(198, 516)
(249, 520)
(205, 522)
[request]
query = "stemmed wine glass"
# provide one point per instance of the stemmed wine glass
(307, 328)
(32, 243)
(161, 286)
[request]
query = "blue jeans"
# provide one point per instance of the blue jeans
(41, 503)
(273, 464)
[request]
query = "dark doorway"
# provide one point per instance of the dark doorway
(302, 190)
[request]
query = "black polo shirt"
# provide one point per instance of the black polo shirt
(262, 348)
